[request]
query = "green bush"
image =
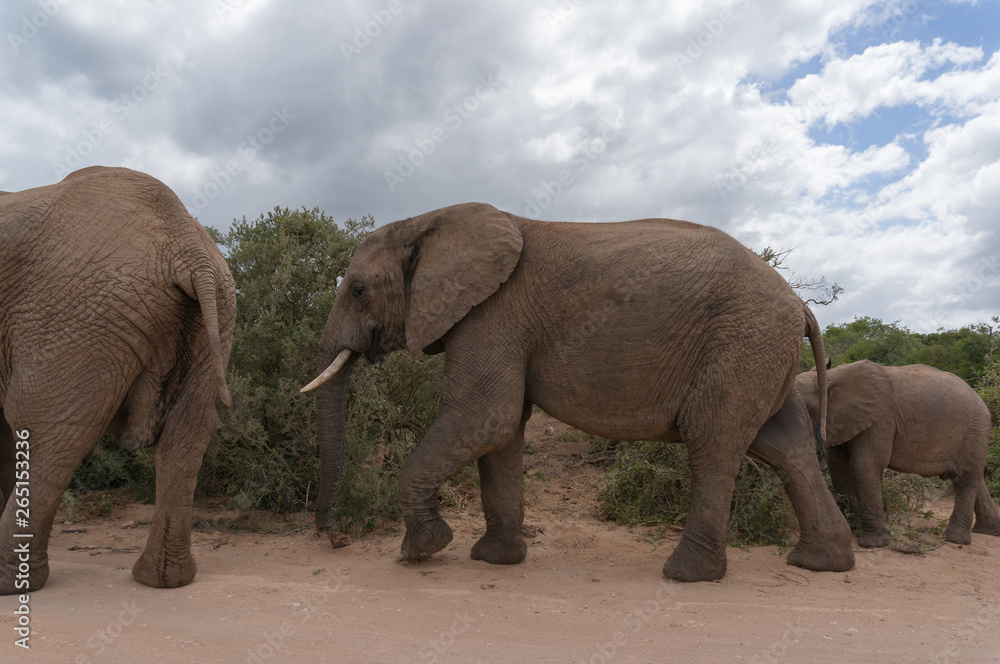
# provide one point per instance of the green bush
(993, 464)
(389, 408)
(989, 389)
(650, 484)
(108, 466)
(286, 265)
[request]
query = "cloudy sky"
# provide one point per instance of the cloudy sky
(864, 136)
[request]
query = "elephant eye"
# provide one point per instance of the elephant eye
(358, 292)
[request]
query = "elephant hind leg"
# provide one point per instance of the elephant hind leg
(959, 528)
(54, 452)
(987, 513)
(824, 537)
(502, 483)
(166, 561)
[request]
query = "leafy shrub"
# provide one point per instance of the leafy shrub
(650, 484)
(989, 389)
(286, 266)
(389, 408)
(108, 466)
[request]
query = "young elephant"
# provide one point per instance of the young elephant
(912, 419)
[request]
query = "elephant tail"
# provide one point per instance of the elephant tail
(205, 288)
(819, 354)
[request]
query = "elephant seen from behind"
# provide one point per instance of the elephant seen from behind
(911, 419)
(652, 329)
(116, 316)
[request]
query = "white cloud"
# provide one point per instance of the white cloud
(700, 130)
(894, 75)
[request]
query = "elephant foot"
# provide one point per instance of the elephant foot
(689, 565)
(157, 572)
(874, 539)
(15, 581)
(499, 550)
(987, 528)
(426, 538)
(829, 558)
(958, 534)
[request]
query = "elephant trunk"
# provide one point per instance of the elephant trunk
(331, 411)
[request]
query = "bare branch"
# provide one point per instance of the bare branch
(823, 291)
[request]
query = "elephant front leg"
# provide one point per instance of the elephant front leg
(501, 478)
(871, 512)
(455, 440)
(438, 456)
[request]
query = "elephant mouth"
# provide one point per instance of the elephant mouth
(375, 356)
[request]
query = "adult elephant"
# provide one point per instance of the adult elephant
(912, 419)
(116, 315)
(653, 329)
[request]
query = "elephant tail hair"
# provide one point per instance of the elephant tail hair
(819, 354)
(205, 288)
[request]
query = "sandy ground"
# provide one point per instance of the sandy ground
(589, 591)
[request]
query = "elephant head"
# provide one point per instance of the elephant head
(858, 394)
(408, 283)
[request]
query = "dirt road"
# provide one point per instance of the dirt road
(589, 591)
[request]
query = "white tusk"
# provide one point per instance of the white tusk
(328, 373)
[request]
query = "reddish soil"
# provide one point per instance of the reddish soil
(589, 591)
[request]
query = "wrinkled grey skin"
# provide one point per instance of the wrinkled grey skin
(912, 419)
(116, 315)
(653, 329)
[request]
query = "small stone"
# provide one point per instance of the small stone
(339, 540)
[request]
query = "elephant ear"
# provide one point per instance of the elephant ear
(860, 392)
(455, 258)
